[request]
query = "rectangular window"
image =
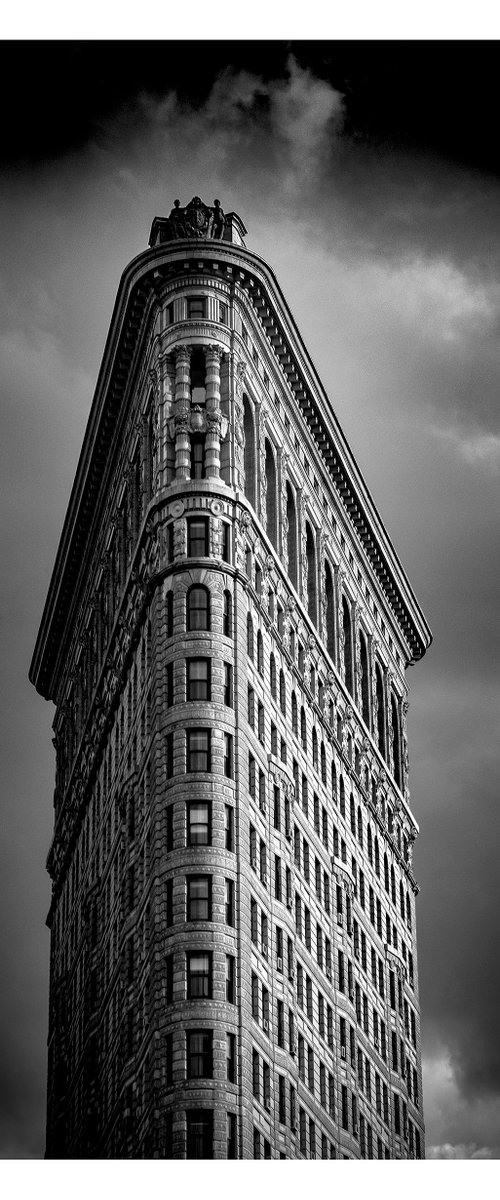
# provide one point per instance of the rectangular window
(199, 1054)
(197, 456)
(232, 1141)
(198, 823)
(260, 722)
(196, 307)
(230, 902)
(282, 1099)
(197, 537)
(198, 757)
(230, 979)
(199, 897)
(226, 542)
(222, 313)
(255, 1075)
(231, 1057)
(228, 755)
(197, 680)
(199, 1128)
(199, 975)
(254, 921)
(228, 684)
(229, 828)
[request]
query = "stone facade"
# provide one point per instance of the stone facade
(233, 954)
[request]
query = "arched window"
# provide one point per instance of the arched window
(250, 457)
(315, 748)
(370, 843)
(272, 675)
(386, 874)
(347, 628)
(330, 611)
(271, 497)
(282, 693)
(380, 710)
(291, 513)
(363, 664)
(352, 811)
(393, 886)
(360, 827)
(197, 608)
(250, 644)
(260, 653)
(303, 729)
(323, 762)
(331, 713)
(342, 796)
(295, 719)
(311, 574)
(396, 741)
(227, 615)
(377, 858)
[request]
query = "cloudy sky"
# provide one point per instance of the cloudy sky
(368, 176)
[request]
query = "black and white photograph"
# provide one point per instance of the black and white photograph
(250, 440)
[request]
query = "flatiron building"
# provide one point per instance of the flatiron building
(225, 640)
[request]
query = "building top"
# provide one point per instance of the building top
(197, 220)
(218, 249)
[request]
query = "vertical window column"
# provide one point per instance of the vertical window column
(182, 413)
(213, 355)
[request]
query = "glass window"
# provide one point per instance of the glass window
(230, 979)
(199, 1128)
(198, 750)
(197, 537)
(198, 679)
(228, 684)
(229, 828)
(197, 456)
(198, 823)
(227, 615)
(196, 307)
(199, 1053)
(197, 609)
(231, 1057)
(228, 755)
(232, 1142)
(199, 976)
(229, 902)
(199, 897)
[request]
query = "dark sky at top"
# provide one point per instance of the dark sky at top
(367, 174)
(420, 95)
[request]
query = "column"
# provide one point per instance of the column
(182, 412)
(213, 355)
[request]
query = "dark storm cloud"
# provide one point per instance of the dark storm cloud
(390, 261)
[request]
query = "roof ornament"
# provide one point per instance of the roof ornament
(197, 220)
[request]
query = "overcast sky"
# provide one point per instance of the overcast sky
(368, 176)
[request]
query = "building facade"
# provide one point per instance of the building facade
(225, 639)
